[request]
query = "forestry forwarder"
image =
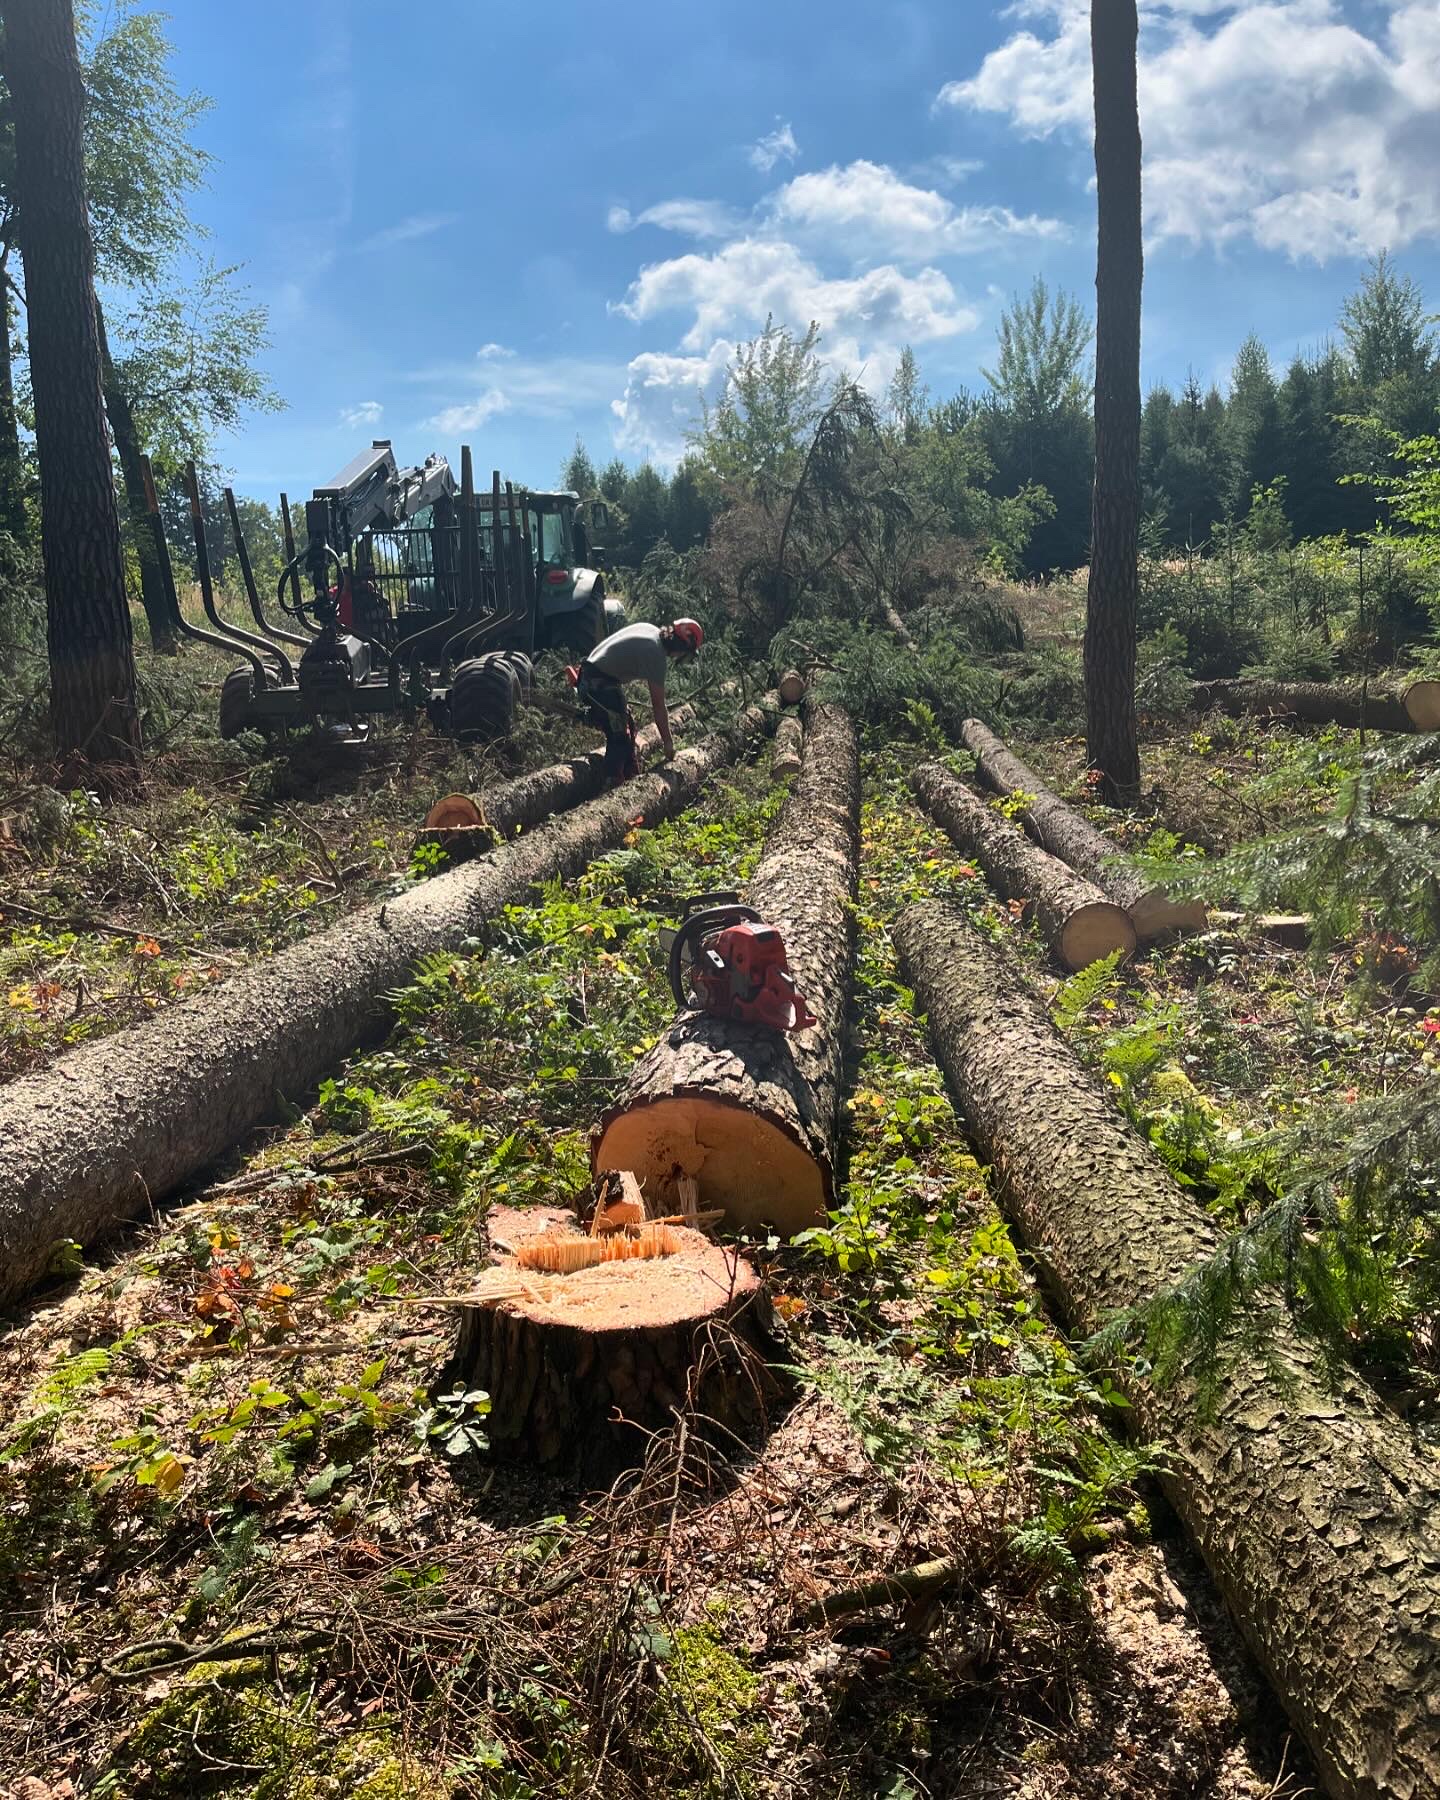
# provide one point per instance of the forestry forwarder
(408, 594)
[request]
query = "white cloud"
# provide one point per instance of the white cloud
(408, 230)
(364, 412)
(469, 415)
(488, 352)
(776, 146)
(867, 207)
(743, 283)
(661, 401)
(691, 218)
(1273, 119)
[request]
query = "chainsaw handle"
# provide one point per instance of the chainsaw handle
(710, 918)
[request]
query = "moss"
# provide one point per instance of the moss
(712, 1687)
(224, 1731)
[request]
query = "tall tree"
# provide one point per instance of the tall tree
(1393, 350)
(579, 475)
(93, 710)
(1254, 437)
(1037, 429)
(1110, 733)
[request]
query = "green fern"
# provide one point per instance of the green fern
(1083, 989)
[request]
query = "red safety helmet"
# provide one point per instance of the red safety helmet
(689, 634)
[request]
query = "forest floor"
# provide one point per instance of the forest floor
(246, 1549)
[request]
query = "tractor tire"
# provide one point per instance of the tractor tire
(616, 618)
(524, 672)
(235, 697)
(483, 696)
(582, 630)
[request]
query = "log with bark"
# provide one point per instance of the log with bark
(1382, 707)
(582, 1367)
(477, 821)
(789, 741)
(750, 1114)
(1065, 833)
(1317, 1515)
(1077, 921)
(118, 1123)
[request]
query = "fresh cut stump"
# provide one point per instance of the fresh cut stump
(1316, 1513)
(582, 1362)
(751, 1114)
(1079, 923)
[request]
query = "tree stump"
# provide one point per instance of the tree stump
(582, 1367)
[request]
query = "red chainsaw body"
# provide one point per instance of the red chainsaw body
(742, 972)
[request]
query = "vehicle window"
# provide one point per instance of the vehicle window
(554, 538)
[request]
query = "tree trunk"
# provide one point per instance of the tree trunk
(513, 806)
(789, 743)
(1077, 921)
(898, 626)
(121, 1122)
(127, 448)
(1318, 1518)
(1067, 834)
(750, 1114)
(584, 1367)
(1412, 708)
(93, 712)
(1110, 735)
(13, 517)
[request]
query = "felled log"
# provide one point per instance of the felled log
(473, 822)
(792, 688)
(1318, 1518)
(1382, 707)
(1077, 921)
(123, 1121)
(1067, 834)
(580, 1367)
(789, 739)
(750, 1114)
(1291, 931)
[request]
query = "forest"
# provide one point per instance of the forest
(890, 1251)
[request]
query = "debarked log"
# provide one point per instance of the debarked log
(1078, 922)
(1067, 834)
(752, 1114)
(1318, 1516)
(122, 1122)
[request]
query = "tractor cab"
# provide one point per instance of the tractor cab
(572, 611)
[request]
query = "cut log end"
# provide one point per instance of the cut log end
(740, 1160)
(581, 1367)
(792, 688)
(789, 743)
(1422, 705)
(1155, 913)
(1094, 932)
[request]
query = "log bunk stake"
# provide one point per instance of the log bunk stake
(751, 1115)
(1316, 1513)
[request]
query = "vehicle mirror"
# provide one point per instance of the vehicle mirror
(599, 516)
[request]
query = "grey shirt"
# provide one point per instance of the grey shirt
(634, 654)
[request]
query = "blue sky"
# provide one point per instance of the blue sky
(514, 225)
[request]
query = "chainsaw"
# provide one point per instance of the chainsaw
(725, 960)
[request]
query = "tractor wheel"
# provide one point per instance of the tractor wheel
(581, 631)
(524, 671)
(482, 698)
(235, 697)
(615, 615)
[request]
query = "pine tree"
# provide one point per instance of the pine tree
(1253, 437)
(1111, 743)
(93, 712)
(1393, 351)
(579, 474)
